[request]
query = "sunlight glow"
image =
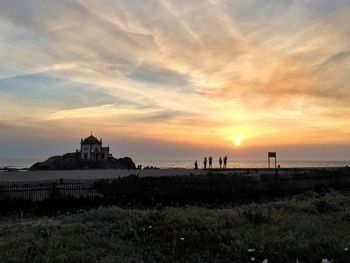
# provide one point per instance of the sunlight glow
(237, 139)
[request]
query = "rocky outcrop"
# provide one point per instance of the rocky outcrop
(72, 161)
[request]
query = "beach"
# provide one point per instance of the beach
(90, 174)
(47, 175)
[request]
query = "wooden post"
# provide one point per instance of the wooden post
(275, 162)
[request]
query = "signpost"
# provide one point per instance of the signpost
(272, 155)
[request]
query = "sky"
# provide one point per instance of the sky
(176, 79)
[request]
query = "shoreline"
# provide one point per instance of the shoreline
(24, 164)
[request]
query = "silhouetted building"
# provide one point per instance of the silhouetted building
(91, 149)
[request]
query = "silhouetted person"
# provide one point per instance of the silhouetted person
(220, 162)
(225, 162)
(210, 162)
(195, 165)
(205, 162)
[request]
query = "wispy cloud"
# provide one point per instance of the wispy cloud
(193, 71)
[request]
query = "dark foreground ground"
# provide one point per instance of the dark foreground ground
(309, 226)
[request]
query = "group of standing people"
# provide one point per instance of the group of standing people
(209, 161)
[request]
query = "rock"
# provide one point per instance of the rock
(72, 161)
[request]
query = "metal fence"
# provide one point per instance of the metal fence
(176, 186)
(41, 190)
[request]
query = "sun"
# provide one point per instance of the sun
(237, 139)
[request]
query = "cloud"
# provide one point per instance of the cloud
(193, 71)
(45, 90)
(158, 76)
(149, 118)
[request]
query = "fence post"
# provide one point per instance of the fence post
(53, 191)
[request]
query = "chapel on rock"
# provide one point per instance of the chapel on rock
(91, 149)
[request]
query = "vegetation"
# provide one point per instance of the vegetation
(309, 227)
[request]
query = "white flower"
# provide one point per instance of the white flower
(346, 249)
(182, 238)
(150, 227)
(251, 250)
(252, 259)
(265, 260)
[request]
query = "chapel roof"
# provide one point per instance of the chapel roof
(91, 140)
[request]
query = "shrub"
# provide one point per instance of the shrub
(255, 214)
(322, 206)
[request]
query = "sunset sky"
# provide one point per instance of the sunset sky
(176, 78)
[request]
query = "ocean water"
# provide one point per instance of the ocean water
(189, 163)
(18, 162)
(243, 163)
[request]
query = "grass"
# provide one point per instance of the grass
(308, 227)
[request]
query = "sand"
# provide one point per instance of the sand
(30, 176)
(90, 174)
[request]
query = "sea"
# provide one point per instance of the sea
(21, 163)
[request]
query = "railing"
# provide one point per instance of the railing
(39, 191)
(187, 186)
